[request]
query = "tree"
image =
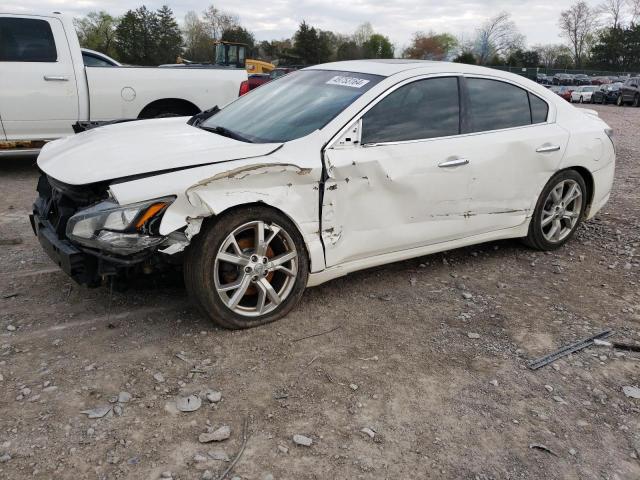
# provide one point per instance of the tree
(217, 21)
(431, 46)
(238, 34)
(362, 34)
(466, 57)
(198, 46)
(97, 31)
(348, 50)
(326, 46)
(497, 36)
(613, 10)
(377, 46)
(144, 37)
(617, 49)
(524, 58)
(548, 54)
(577, 25)
(168, 37)
(306, 45)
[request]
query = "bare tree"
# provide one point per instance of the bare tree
(363, 33)
(497, 36)
(634, 7)
(218, 21)
(577, 25)
(549, 54)
(613, 10)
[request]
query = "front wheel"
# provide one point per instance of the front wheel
(558, 212)
(619, 101)
(247, 268)
(636, 100)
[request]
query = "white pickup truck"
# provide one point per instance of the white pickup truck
(46, 87)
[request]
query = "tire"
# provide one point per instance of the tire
(619, 101)
(206, 273)
(593, 100)
(581, 99)
(540, 239)
(636, 100)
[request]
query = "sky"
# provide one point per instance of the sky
(397, 19)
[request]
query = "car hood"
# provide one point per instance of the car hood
(139, 147)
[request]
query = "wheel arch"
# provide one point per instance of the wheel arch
(589, 182)
(168, 105)
(230, 209)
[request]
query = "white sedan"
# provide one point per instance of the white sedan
(328, 170)
(583, 94)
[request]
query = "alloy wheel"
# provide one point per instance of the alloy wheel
(256, 268)
(561, 211)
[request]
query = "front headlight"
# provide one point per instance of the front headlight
(122, 230)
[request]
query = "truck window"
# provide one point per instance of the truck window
(26, 40)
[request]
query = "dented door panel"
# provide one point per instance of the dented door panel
(387, 198)
(507, 174)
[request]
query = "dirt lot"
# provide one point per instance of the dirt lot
(404, 361)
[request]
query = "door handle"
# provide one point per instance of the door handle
(56, 78)
(455, 162)
(548, 148)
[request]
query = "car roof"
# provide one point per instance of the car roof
(389, 67)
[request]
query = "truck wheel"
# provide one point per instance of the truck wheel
(558, 212)
(247, 268)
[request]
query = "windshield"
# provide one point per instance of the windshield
(292, 106)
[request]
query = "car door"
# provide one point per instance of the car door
(38, 92)
(397, 178)
(516, 149)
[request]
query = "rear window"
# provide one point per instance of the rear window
(496, 105)
(26, 40)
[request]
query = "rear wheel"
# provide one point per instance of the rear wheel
(636, 100)
(558, 212)
(248, 268)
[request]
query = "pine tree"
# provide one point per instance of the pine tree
(167, 36)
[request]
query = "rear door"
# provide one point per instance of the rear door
(516, 149)
(38, 91)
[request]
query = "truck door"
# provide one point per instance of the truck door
(38, 91)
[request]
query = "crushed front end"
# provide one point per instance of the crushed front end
(90, 237)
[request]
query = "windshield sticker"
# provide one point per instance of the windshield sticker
(348, 81)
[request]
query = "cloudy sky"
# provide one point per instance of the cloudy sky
(398, 19)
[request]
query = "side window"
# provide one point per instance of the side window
(539, 109)
(93, 61)
(422, 109)
(26, 40)
(495, 105)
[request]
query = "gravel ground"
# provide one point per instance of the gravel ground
(415, 380)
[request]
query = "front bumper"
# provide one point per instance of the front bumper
(80, 266)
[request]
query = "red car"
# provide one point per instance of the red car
(565, 92)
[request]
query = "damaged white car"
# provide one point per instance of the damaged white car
(328, 170)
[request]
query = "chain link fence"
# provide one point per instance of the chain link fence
(532, 72)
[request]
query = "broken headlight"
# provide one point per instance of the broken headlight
(119, 229)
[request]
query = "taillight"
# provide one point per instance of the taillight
(244, 88)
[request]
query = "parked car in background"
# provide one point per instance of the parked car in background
(565, 92)
(600, 80)
(48, 84)
(582, 94)
(581, 79)
(256, 80)
(630, 92)
(323, 172)
(544, 79)
(607, 93)
(563, 79)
